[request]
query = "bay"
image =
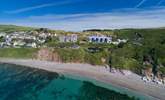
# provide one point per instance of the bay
(23, 83)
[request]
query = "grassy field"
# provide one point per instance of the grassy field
(17, 52)
(13, 28)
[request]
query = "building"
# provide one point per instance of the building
(33, 45)
(119, 41)
(100, 39)
(68, 38)
(18, 43)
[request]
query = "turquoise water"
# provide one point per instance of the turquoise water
(23, 83)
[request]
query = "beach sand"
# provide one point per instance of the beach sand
(130, 81)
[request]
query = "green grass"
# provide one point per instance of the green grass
(13, 28)
(71, 55)
(81, 56)
(17, 52)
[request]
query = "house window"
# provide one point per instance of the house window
(93, 40)
(97, 40)
(106, 40)
(101, 40)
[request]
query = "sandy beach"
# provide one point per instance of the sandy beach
(99, 73)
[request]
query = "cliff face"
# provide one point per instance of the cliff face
(70, 56)
(47, 55)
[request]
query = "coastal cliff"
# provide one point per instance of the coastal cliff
(48, 55)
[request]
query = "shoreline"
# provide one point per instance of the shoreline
(131, 81)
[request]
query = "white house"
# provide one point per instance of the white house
(68, 38)
(18, 43)
(100, 39)
(119, 41)
(33, 45)
(122, 40)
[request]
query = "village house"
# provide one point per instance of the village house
(122, 40)
(119, 41)
(18, 43)
(20, 39)
(33, 45)
(68, 38)
(100, 39)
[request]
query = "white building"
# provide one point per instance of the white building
(100, 39)
(33, 45)
(68, 38)
(122, 40)
(18, 43)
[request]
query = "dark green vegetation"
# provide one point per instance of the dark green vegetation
(81, 55)
(71, 55)
(13, 28)
(145, 45)
(1, 39)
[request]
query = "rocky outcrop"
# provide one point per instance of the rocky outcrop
(47, 55)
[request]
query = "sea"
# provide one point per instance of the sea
(24, 83)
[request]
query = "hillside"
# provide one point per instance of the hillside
(12, 28)
(144, 45)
